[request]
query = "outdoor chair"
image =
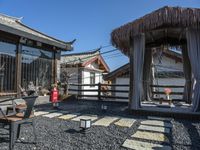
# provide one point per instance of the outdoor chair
(16, 120)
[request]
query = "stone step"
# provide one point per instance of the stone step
(56, 114)
(154, 129)
(151, 136)
(92, 117)
(138, 145)
(157, 123)
(69, 116)
(125, 122)
(39, 113)
(106, 121)
(159, 118)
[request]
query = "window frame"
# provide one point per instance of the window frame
(92, 79)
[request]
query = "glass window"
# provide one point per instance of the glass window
(7, 67)
(36, 67)
(92, 78)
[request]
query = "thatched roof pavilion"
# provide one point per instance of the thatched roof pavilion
(167, 23)
(167, 26)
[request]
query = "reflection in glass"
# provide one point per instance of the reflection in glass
(36, 67)
(7, 67)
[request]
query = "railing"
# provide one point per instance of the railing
(100, 91)
(177, 91)
(113, 91)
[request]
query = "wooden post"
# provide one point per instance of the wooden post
(131, 77)
(55, 66)
(99, 91)
(18, 69)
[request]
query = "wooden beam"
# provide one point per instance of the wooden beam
(18, 69)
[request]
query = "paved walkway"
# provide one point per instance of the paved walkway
(154, 130)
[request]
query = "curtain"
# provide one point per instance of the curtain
(187, 73)
(193, 42)
(147, 74)
(136, 71)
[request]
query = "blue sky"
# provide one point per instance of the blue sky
(89, 21)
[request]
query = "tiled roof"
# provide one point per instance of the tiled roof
(15, 26)
(79, 58)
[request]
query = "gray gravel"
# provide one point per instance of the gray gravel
(57, 134)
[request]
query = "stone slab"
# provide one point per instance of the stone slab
(138, 145)
(125, 122)
(52, 115)
(154, 129)
(157, 123)
(106, 121)
(151, 136)
(68, 116)
(159, 118)
(92, 117)
(39, 113)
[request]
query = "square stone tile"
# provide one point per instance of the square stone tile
(138, 145)
(106, 121)
(154, 129)
(157, 123)
(125, 122)
(92, 117)
(151, 136)
(159, 118)
(68, 116)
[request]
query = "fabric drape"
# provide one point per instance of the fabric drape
(147, 74)
(187, 73)
(136, 71)
(193, 43)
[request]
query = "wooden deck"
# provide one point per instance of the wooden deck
(180, 111)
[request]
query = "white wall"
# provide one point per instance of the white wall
(86, 80)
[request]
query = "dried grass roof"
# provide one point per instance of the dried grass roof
(166, 17)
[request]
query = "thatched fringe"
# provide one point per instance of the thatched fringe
(165, 17)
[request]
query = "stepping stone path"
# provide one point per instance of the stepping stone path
(68, 116)
(138, 145)
(154, 129)
(92, 117)
(125, 122)
(106, 121)
(157, 123)
(151, 136)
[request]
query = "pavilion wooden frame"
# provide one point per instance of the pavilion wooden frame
(165, 26)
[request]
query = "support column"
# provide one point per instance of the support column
(55, 66)
(18, 69)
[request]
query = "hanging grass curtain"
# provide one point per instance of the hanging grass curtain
(193, 41)
(136, 67)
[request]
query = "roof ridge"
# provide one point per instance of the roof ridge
(82, 53)
(11, 17)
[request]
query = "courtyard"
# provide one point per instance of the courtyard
(114, 129)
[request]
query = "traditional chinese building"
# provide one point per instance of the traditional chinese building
(27, 55)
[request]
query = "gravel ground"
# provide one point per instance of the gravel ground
(57, 134)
